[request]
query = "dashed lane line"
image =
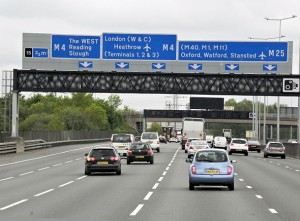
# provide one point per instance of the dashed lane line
(42, 193)
(160, 179)
(23, 174)
(273, 210)
(155, 186)
(13, 204)
(137, 209)
(65, 184)
(147, 197)
(8, 178)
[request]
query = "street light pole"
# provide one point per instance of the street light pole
(278, 98)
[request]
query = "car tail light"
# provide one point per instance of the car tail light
(188, 144)
(114, 158)
(246, 145)
(191, 147)
(231, 144)
(150, 152)
(229, 170)
(90, 158)
(193, 169)
(158, 142)
(129, 152)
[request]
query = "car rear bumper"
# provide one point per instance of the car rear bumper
(238, 150)
(211, 179)
(137, 158)
(103, 168)
(275, 153)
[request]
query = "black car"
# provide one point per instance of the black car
(102, 159)
(163, 139)
(254, 145)
(140, 151)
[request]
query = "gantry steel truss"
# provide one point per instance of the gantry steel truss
(156, 83)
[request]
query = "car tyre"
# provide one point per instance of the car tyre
(151, 161)
(231, 187)
(283, 157)
(119, 172)
(87, 172)
(246, 154)
(265, 155)
(258, 151)
(229, 153)
(185, 151)
(128, 161)
(157, 150)
(191, 186)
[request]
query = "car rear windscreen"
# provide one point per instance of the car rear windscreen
(121, 138)
(149, 136)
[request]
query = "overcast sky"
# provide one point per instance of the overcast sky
(205, 20)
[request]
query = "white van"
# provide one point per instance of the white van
(152, 138)
(121, 142)
(220, 142)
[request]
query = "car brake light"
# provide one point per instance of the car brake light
(129, 152)
(231, 144)
(158, 142)
(191, 147)
(193, 170)
(246, 145)
(150, 152)
(188, 144)
(229, 170)
(90, 159)
(114, 158)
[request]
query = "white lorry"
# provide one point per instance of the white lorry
(192, 128)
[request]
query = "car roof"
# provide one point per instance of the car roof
(101, 148)
(212, 149)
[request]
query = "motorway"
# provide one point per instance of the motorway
(50, 184)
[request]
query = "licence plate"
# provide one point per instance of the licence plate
(103, 162)
(139, 157)
(121, 146)
(238, 150)
(212, 172)
(253, 146)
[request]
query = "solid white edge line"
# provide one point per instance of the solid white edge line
(42, 193)
(164, 173)
(23, 174)
(13, 204)
(160, 179)
(45, 168)
(155, 186)
(259, 196)
(137, 209)
(62, 185)
(273, 211)
(148, 196)
(8, 178)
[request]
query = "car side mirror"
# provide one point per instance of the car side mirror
(233, 161)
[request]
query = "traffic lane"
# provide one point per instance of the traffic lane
(34, 160)
(104, 196)
(173, 200)
(277, 185)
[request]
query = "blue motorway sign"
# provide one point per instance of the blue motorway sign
(233, 51)
(76, 47)
(139, 47)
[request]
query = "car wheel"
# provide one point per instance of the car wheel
(246, 154)
(231, 187)
(182, 147)
(229, 153)
(191, 186)
(118, 172)
(157, 150)
(265, 156)
(128, 161)
(258, 151)
(185, 151)
(151, 161)
(283, 157)
(87, 172)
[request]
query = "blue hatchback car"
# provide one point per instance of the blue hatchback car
(211, 167)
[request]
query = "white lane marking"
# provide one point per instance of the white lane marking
(278, 164)
(259, 196)
(167, 168)
(13, 204)
(78, 159)
(137, 209)
(169, 164)
(235, 174)
(55, 165)
(287, 167)
(249, 187)
(297, 170)
(50, 155)
(241, 180)
(66, 184)
(23, 174)
(79, 178)
(160, 179)
(164, 173)
(45, 168)
(273, 211)
(8, 178)
(42, 193)
(271, 161)
(148, 196)
(69, 161)
(155, 186)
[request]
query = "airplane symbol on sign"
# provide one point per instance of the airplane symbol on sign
(262, 56)
(147, 47)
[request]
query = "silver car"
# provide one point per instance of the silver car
(274, 149)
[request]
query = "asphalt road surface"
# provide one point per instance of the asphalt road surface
(50, 184)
